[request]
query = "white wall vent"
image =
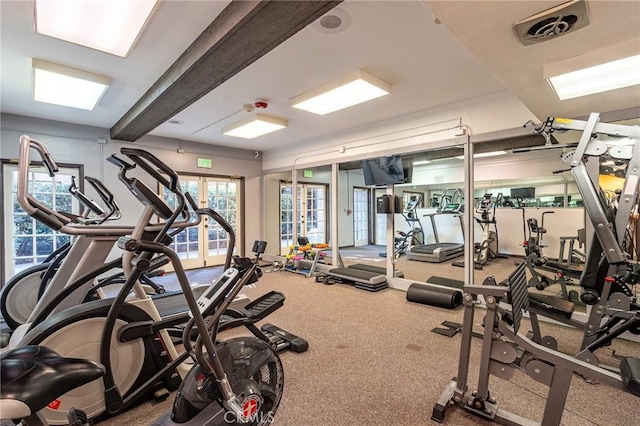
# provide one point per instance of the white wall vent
(551, 23)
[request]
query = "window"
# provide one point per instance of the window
(28, 241)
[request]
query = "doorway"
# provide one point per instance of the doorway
(206, 244)
(312, 211)
(361, 216)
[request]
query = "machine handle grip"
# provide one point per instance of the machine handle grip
(83, 199)
(107, 196)
(114, 159)
(51, 165)
(146, 160)
(191, 201)
(103, 191)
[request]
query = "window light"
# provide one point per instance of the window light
(484, 154)
(352, 89)
(60, 85)
(110, 26)
(600, 78)
(254, 126)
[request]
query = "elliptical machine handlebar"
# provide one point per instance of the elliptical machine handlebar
(227, 227)
(149, 198)
(40, 211)
(107, 196)
(146, 160)
(89, 205)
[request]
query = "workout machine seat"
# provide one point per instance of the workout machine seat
(550, 306)
(556, 267)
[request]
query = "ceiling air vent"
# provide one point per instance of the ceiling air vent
(551, 23)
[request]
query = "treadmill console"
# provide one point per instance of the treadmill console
(451, 208)
(216, 290)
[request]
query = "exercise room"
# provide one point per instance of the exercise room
(319, 212)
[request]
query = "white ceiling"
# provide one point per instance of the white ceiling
(398, 41)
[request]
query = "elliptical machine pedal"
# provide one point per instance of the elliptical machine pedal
(281, 339)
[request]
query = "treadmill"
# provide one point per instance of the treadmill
(452, 202)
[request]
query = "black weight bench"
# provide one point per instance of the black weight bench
(550, 306)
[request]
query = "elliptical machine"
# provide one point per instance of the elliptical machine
(240, 380)
(21, 293)
(126, 335)
(415, 234)
(487, 250)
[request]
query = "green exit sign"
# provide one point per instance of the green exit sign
(204, 163)
(307, 173)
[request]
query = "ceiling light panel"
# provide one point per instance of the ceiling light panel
(254, 126)
(352, 89)
(60, 85)
(110, 26)
(596, 79)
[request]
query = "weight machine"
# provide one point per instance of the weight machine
(613, 313)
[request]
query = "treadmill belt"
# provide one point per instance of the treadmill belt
(430, 248)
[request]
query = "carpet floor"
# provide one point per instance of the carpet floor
(373, 360)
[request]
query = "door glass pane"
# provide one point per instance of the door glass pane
(316, 214)
(360, 216)
(221, 197)
(30, 241)
(286, 215)
(185, 243)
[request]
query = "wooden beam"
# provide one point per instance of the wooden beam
(242, 33)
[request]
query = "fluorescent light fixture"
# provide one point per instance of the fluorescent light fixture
(600, 78)
(60, 85)
(110, 26)
(484, 154)
(421, 162)
(254, 126)
(352, 89)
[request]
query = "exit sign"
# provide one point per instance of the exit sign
(307, 173)
(204, 163)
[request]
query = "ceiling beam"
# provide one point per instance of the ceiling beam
(242, 33)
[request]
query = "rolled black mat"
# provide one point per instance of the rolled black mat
(435, 296)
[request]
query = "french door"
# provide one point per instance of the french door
(207, 243)
(360, 216)
(312, 213)
(27, 241)
(381, 223)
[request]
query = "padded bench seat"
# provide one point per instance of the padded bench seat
(546, 304)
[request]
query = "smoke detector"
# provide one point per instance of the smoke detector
(333, 22)
(552, 23)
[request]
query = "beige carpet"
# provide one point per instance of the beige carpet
(374, 361)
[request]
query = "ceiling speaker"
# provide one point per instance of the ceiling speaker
(552, 23)
(333, 22)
